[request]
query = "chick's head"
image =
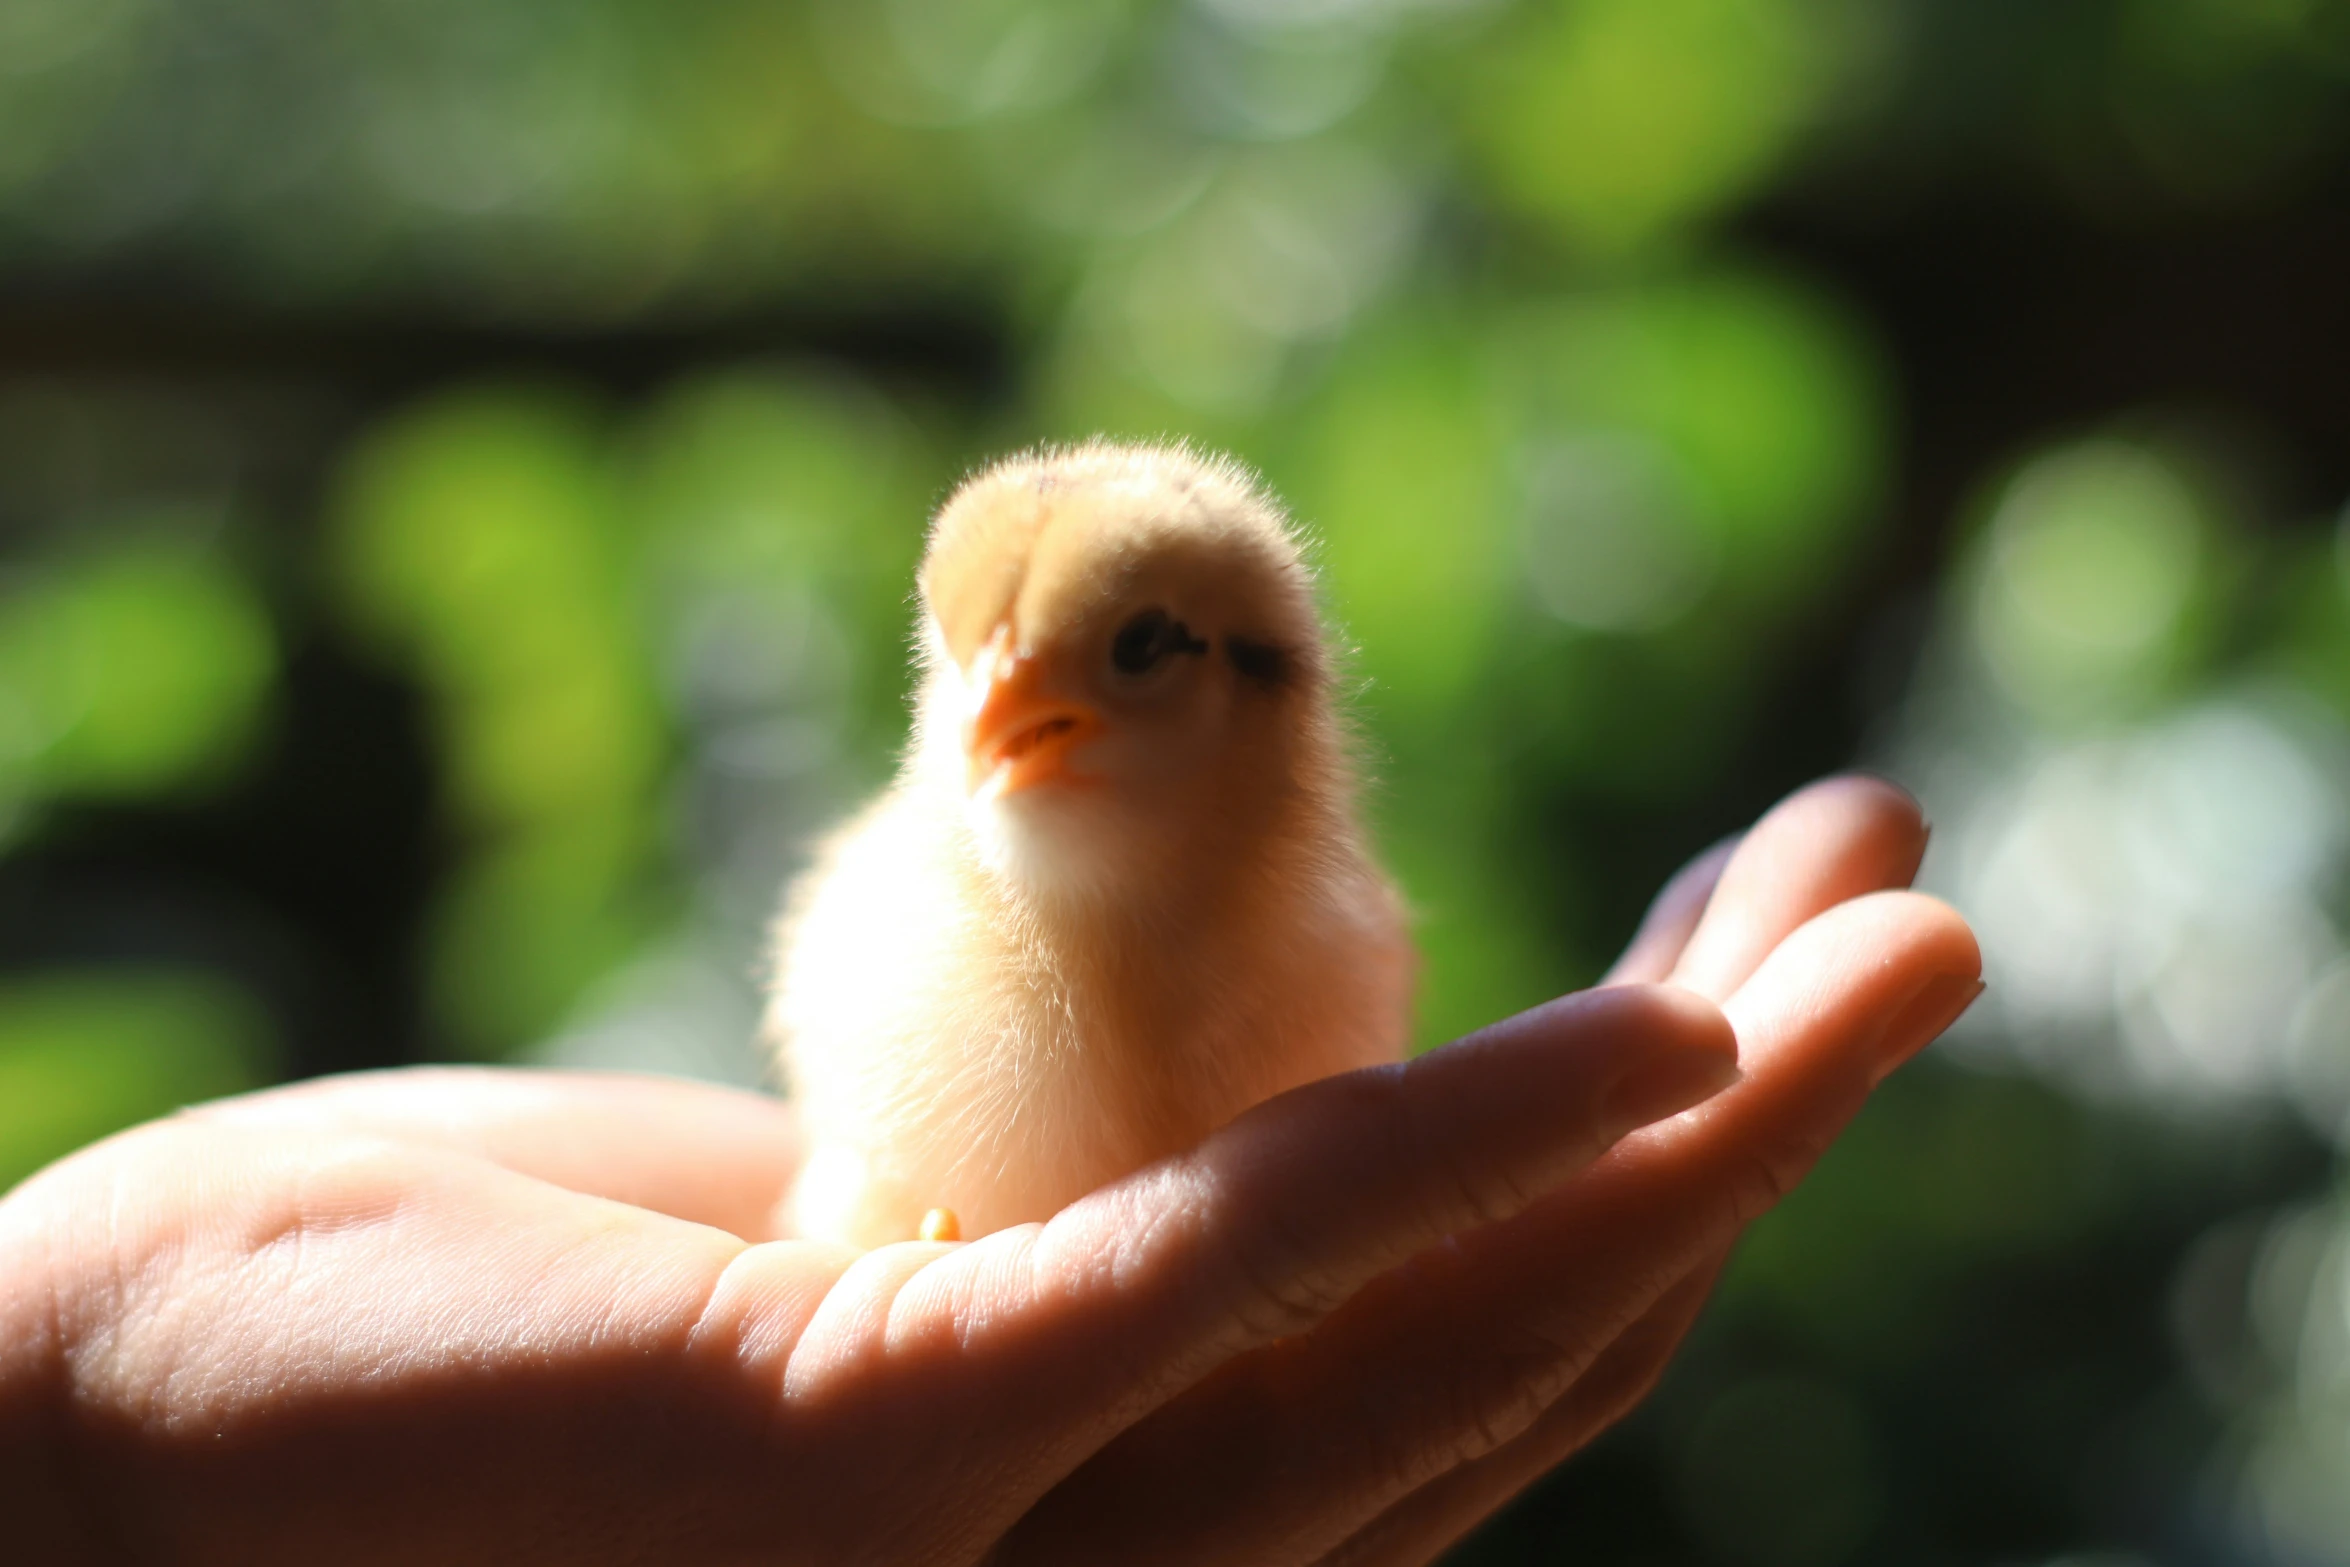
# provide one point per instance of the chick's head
(1126, 643)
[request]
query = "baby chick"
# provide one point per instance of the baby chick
(1118, 892)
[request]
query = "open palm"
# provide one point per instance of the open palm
(506, 1317)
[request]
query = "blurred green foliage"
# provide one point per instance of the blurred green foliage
(478, 542)
(2101, 573)
(84, 1053)
(1624, 123)
(128, 671)
(575, 596)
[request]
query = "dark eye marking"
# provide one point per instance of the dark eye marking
(1149, 640)
(1262, 662)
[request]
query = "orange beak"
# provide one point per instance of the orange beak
(1020, 736)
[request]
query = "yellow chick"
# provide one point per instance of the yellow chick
(1118, 892)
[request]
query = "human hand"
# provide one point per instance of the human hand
(458, 1316)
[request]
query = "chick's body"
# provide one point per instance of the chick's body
(1118, 892)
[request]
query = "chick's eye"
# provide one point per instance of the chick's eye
(1148, 640)
(1141, 644)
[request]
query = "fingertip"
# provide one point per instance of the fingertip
(1900, 817)
(1883, 973)
(1927, 931)
(1894, 794)
(1938, 1004)
(1963, 945)
(1688, 1055)
(1633, 1018)
(1634, 1053)
(1864, 805)
(1829, 842)
(1673, 1014)
(1939, 945)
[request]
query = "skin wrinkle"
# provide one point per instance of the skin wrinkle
(1208, 1314)
(80, 1500)
(873, 1328)
(1562, 1349)
(1133, 1265)
(129, 1274)
(1008, 1281)
(282, 1248)
(1308, 1294)
(1057, 1454)
(952, 1273)
(699, 1330)
(1471, 1415)
(1267, 1300)
(1618, 1381)
(73, 1348)
(607, 1314)
(823, 1354)
(349, 1190)
(1189, 1326)
(1026, 1471)
(508, 1122)
(1761, 1178)
(1476, 1424)
(1522, 1385)
(598, 1323)
(1488, 1197)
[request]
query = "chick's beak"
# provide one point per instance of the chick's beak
(1020, 734)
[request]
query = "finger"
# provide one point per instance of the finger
(1262, 1230)
(1424, 1524)
(695, 1151)
(1832, 841)
(1295, 1206)
(1854, 992)
(1665, 929)
(1463, 1351)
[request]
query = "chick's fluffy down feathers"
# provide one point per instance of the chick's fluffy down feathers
(997, 1003)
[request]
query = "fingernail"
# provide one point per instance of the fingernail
(1940, 1002)
(1656, 1089)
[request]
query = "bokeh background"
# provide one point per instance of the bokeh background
(461, 466)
